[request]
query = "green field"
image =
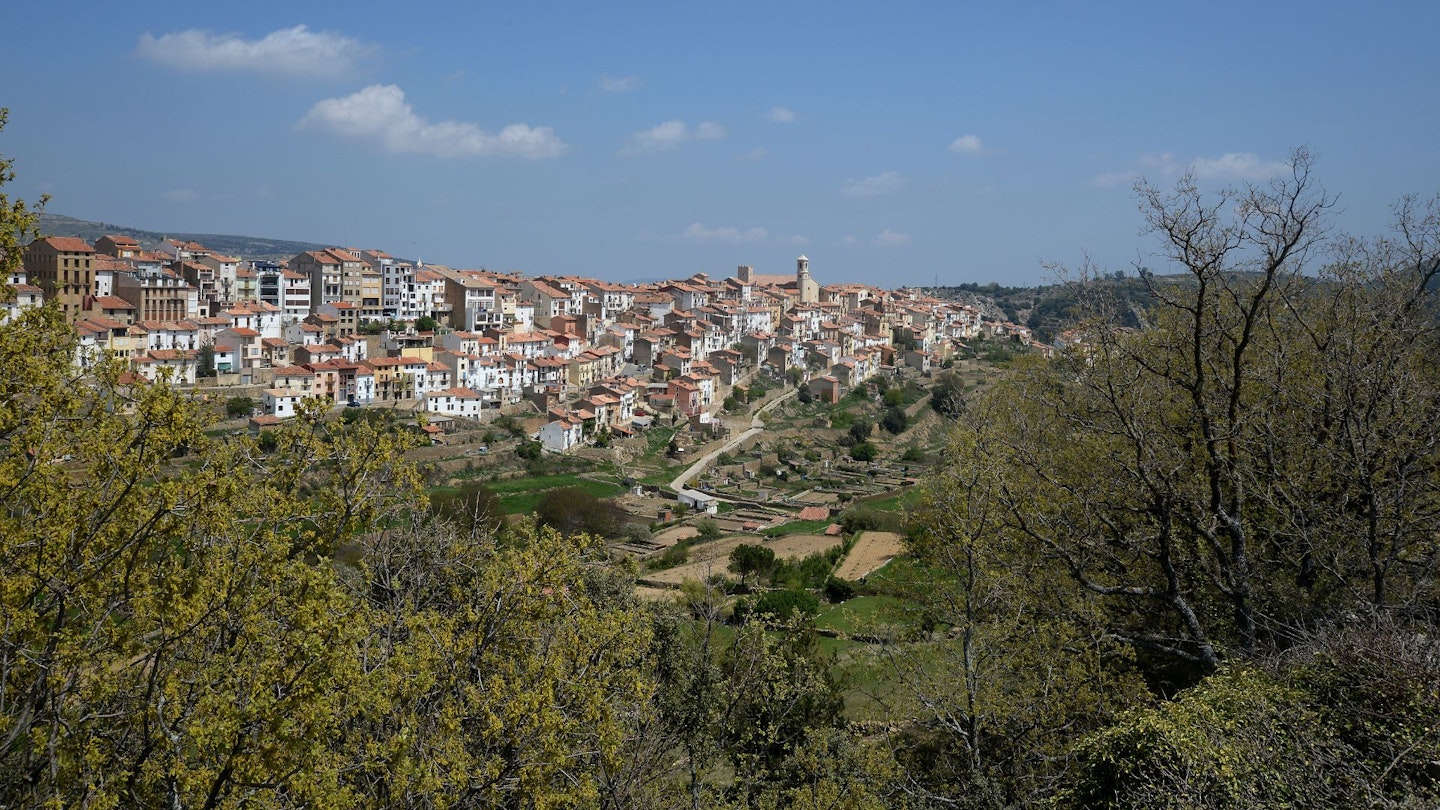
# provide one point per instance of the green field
(799, 527)
(519, 496)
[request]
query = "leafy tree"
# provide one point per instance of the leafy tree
(205, 362)
(860, 431)
(529, 450)
(866, 518)
(747, 559)
(781, 606)
(239, 406)
(425, 323)
(707, 530)
(894, 397)
(571, 509)
(1252, 462)
(947, 396)
(894, 420)
(864, 451)
(505, 673)
(1352, 704)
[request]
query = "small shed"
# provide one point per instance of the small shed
(699, 501)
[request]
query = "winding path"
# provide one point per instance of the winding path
(756, 426)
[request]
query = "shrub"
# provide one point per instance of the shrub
(777, 606)
(864, 451)
(860, 431)
(894, 420)
(236, 407)
(838, 590)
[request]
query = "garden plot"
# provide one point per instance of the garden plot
(708, 559)
(870, 553)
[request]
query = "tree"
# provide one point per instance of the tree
(894, 420)
(473, 510)
(503, 673)
(1350, 703)
(747, 559)
(864, 451)
(779, 606)
(205, 361)
(706, 529)
(860, 431)
(236, 407)
(1253, 461)
(571, 510)
(425, 323)
(947, 396)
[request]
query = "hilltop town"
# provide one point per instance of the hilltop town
(595, 359)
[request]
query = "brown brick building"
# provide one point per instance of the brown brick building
(62, 267)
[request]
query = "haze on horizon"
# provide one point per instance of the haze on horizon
(893, 145)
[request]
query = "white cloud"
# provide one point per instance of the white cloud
(181, 195)
(1108, 179)
(780, 115)
(1228, 166)
(889, 238)
(872, 186)
(671, 134)
(967, 145)
(758, 153)
(797, 240)
(379, 114)
(1239, 166)
(619, 84)
(709, 131)
(699, 233)
(849, 241)
(294, 51)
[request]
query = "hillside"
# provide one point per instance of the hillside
(250, 247)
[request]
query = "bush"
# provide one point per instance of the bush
(236, 407)
(707, 530)
(529, 450)
(777, 606)
(748, 558)
(864, 518)
(864, 451)
(838, 590)
(678, 554)
(860, 431)
(894, 420)
(572, 510)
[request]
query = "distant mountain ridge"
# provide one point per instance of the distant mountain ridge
(249, 247)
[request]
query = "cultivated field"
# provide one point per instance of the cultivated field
(872, 550)
(713, 558)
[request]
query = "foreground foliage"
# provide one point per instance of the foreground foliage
(1190, 565)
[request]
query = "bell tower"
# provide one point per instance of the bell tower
(806, 289)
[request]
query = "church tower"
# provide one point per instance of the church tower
(805, 287)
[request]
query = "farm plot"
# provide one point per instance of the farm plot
(870, 553)
(713, 558)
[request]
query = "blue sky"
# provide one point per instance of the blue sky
(892, 143)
